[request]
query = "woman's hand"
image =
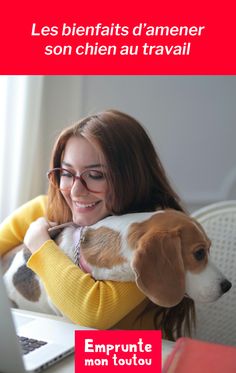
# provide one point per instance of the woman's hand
(37, 234)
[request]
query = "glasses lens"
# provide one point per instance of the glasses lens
(66, 179)
(94, 180)
(61, 179)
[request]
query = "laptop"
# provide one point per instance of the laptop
(30, 342)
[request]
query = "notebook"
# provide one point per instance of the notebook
(195, 356)
(30, 342)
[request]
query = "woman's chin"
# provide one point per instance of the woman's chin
(83, 221)
(88, 219)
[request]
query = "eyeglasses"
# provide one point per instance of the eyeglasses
(92, 180)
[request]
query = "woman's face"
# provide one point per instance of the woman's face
(87, 207)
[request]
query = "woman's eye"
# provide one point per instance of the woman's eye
(96, 175)
(66, 174)
(200, 254)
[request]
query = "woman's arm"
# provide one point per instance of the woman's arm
(97, 304)
(14, 227)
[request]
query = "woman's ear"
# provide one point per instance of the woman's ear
(159, 268)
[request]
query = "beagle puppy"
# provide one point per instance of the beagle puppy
(165, 252)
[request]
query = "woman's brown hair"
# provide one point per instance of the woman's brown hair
(136, 178)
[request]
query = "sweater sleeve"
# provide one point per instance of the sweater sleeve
(14, 227)
(85, 301)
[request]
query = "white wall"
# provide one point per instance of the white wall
(61, 107)
(191, 119)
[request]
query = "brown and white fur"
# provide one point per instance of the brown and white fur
(165, 252)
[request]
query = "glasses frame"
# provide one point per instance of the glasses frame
(75, 177)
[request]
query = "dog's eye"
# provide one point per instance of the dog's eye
(200, 254)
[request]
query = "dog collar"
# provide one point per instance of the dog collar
(78, 237)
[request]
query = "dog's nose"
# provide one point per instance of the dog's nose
(225, 286)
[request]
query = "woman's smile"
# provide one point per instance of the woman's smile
(85, 207)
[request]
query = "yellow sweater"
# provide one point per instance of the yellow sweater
(97, 304)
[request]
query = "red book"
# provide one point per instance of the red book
(195, 356)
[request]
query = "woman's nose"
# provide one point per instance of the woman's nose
(78, 188)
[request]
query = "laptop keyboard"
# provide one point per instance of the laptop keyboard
(30, 344)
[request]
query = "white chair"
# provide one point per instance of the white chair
(216, 322)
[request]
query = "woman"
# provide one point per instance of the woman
(107, 165)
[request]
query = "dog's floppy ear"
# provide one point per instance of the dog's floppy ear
(159, 268)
